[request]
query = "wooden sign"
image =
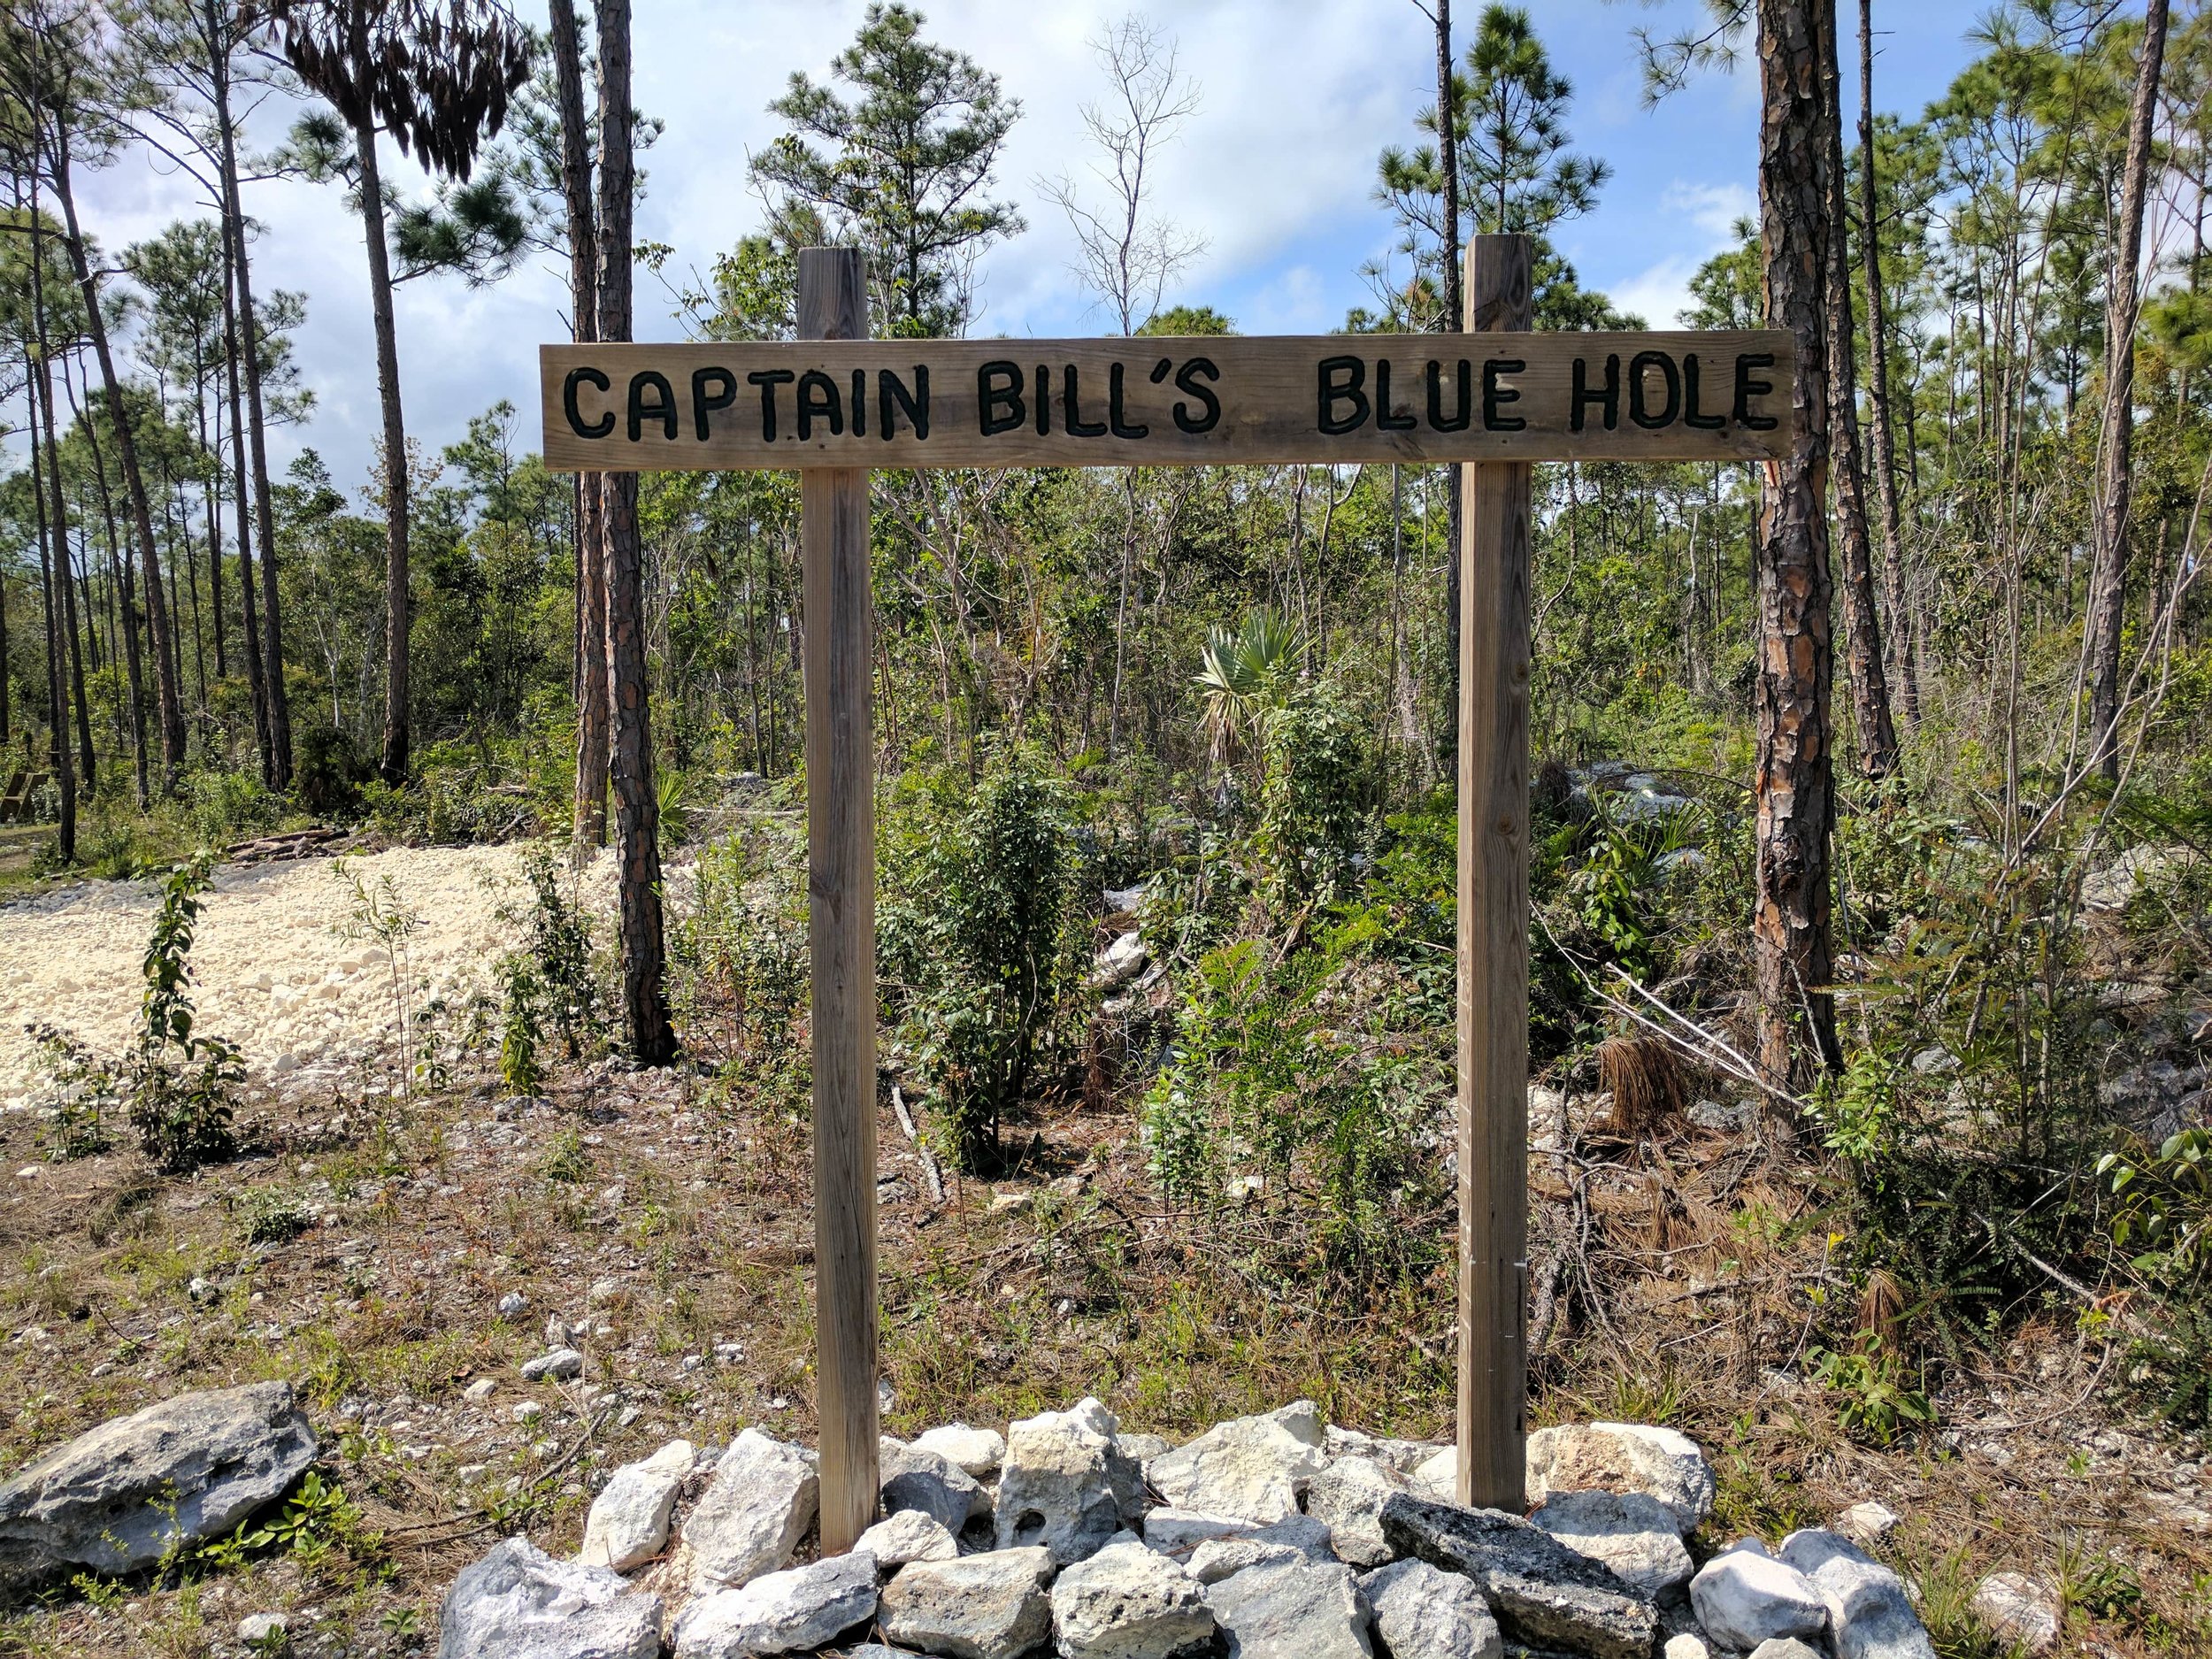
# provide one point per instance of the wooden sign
(1187, 402)
(1496, 397)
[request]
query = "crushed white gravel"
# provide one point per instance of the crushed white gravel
(272, 972)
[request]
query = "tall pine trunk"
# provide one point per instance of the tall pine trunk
(1455, 314)
(394, 763)
(1903, 630)
(1870, 679)
(119, 580)
(592, 706)
(637, 809)
(1794, 783)
(167, 697)
(257, 667)
(2116, 445)
(54, 562)
(278, 750)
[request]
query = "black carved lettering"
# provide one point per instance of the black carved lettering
(817, 399)
(1044, 399)
(1639, 409)
(768, 379)
(577, 424)
(1463, 411)
(1495, 397)
(704, 402)
(1115, 415)
(860, 403)
(1748, 388)
(1071, 409)
(998, 398)
(1608, 397)
(663, 407)
(1160, 370)
(1690, 415)
(1345, 390)
(1385, 419)
(1186, 380)
(891, 391)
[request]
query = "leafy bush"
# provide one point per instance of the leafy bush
(271, 1215)
(86, 1090)
(975, 942)
(740, 976)
(184, 1086)
(2162, 1212)
(1314, 789)
(328, 771)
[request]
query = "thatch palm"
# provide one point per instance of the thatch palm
(1246, 674)
(436, 74)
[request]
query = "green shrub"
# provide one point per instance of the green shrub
(184, 1085)
(1315, 784)
(739, 958)
(271, 1215)
(328, 771)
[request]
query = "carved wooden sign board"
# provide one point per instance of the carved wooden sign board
(1192, 402)
(835, 404)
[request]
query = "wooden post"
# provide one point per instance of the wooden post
(842, 931)
(1494, 825)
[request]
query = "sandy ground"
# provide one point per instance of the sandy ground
(272, 970)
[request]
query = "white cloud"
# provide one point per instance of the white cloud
(1713, 208)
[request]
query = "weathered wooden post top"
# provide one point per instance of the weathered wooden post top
(835, 404)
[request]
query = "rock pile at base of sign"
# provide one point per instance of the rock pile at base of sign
(1269, 1537)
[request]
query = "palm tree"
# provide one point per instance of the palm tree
(1246, 675)
(436, 74)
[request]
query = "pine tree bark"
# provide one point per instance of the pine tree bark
(1455, 314)
(1903, 627)
(53, 560)
(257, 665)
(270, 647)
(1794, 781)
(593, 710)
(119, 580)
(167, 692)
(652, 1039)
(2116, 447)
(1869, 676)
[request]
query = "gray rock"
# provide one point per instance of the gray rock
(1437, 1476)
(517, 1602)
(261, 1628)
(512, 1303)
(1145, 1448)
(1541, 1592)
(559, 1365)
(907, 1535)
(798, 1609)
(1867, 1523)
(1785, 1647)
(763, 1498)
(1422, 1612)
(977, 1451)
(991, 1606)
(1871, 1616)
(1743, 1596)
(1176, 1530)
(1066, 1484)
(1401, 1457)
(1254, 1467)
(1633, 1533)
(1622, 1457)
(1299, 1538)
(628, 1522)
(2018, 1610)
(1292, 1610)
(917, 1479)
(1128, 1603)
(1347, 1496)
(119, 1497)
(1686, 1646)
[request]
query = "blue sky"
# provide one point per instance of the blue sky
(1274, 170)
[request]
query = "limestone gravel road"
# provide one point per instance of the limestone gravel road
(271, 973)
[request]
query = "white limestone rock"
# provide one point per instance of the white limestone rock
(1128, 1603)
(799, 1609)
(992, 1606)
(1292, 1610)
(915, 1478)
(517, 1602)
(1685, 1646)
(763, 1498)
(2018, 1610)
(1065, 1484)
(1622, 1457)
(1175, 1532)
(628, 1522)
(1871, 1616)
(1254, 1467)
(977, 1451)
(909, 1535)
(1297, 1539)
(1743, 1596)
(1632, 1532)
(1401, 1457)
(1347, 1496)
(1422, 1612)
(1867, 1523)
